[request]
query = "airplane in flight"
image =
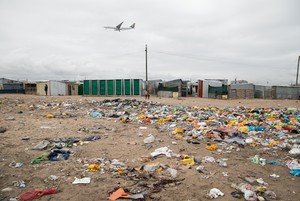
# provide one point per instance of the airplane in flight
(119, 28)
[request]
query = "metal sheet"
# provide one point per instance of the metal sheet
(136, 87)
(86, 87)
(118, 87)
(127, 87)
(94, 87)
(110, 87)
(102, 87)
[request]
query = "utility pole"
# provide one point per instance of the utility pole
(297, 72)
(146, 68)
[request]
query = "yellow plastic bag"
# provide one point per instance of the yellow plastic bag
(93, 167)
(243, 129)
(178, 137)
(163, 120)
(187, 160)
(179, 130)
(212, 147)
(271, 144)
(50, 116)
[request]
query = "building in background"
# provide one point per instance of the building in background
(212, 88)
(55, 88)
(286, 92)
(170, 89)
(264, 92)
(11, 86)
(30, 88)
(241, 91)
(113, 87)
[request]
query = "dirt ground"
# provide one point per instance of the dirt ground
(24, 117)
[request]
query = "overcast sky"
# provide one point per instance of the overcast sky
(254, 40)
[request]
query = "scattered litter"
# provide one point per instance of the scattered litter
(212, 147)
(2, 130)
(173, 172)
(94, 167)
(209, 159)
(10, 119)
(33, 194)
(14, 164)
(274, 176)
(58, 155)
(50, 116)
(6, 189)
(163, 151)
(85, 180)
(187, 160)
(20, 184)
(225, 174)
(215, 193)
(149, 139)
(96, 114)
(41, 145)
(221, 162)
(120, 193)
(52, 178)
(152, 167)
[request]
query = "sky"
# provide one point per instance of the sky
(253, 40)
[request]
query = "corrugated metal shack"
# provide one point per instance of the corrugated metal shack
(212, 88)
(241, 91)
(114, 87)
(264, 92)
(72, 88)
(286, 92)
(55, 88)
(11, 86)
(170, 89)
(30, 88)
(152, 86)
(40, 88)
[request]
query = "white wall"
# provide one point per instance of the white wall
(57, 88)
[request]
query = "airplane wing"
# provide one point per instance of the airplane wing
(116, 28)
(119, 26)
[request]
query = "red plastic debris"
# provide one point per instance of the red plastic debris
(33, 194)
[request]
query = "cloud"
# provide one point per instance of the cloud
(196, 39)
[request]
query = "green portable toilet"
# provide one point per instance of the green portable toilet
(94, 87)
(136, 87)
(118, 87)
(86, 87)
(127, 87)
(102, 87)
(80, 89)
(110, 87)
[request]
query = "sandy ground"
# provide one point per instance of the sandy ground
(25, 119)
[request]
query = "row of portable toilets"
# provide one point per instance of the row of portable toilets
(118, 87)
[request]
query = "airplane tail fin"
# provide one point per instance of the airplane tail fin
(133, 25)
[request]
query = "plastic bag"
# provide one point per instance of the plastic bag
(29, 195)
